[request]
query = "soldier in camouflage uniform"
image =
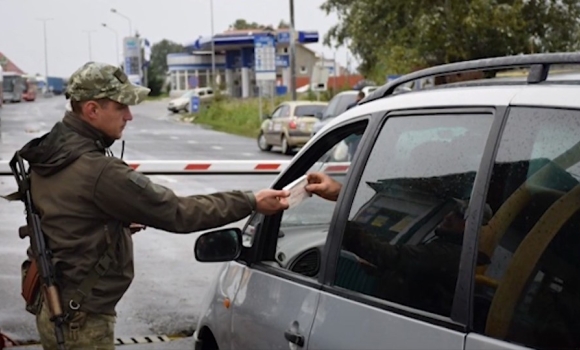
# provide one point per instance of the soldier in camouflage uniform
(422, 276)
(88, 199)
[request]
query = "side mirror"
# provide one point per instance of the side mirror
(318, 115)
(219, 246)
(266, 116)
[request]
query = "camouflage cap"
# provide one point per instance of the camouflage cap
(96, 80)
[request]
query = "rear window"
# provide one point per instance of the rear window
(302, 111)
(338, 105)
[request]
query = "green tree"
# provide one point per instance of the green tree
(157, 70)
(398, 36)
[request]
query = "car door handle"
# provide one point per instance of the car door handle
(294, 337)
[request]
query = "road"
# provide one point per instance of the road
(169, 284)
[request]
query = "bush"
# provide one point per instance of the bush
(241, 116)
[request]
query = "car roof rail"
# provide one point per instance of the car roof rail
(539, 64)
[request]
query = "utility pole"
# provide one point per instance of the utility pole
(116, 40)
(292, 52)
(44, 20)
(90, 47)
(213, 76)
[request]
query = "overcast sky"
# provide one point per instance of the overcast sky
(21, 31)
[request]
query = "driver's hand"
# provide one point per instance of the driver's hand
(323, 185)
(134, 228)
(270, 202)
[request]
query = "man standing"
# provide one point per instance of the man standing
(87, 201)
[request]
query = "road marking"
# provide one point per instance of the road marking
(142, 340)
(216, 147)
(174, 138)
(192, 142)
(247, 154)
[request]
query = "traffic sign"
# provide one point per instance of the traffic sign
(265, 57)
(194, 104)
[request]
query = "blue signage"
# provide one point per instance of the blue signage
(194, 104)
(265, 57)
(193, 82)
(283, 61)
(283, 37)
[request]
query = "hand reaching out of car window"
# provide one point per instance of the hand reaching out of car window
(323, 185)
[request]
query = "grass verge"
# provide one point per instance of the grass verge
(239, 117)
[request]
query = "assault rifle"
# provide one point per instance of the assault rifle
(41, 252)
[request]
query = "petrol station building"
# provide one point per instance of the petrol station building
(234, 61)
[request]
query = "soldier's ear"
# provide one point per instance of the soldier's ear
(91, 109)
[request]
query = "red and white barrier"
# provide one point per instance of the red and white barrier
(213, 167)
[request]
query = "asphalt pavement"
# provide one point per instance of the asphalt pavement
(169, 284)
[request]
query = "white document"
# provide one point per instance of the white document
(298, 193)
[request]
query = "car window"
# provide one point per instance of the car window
(529, 292)
(402, 241)
(303, 229)
(277, 112)
(308, 111)
(338, 105)
(285, 113)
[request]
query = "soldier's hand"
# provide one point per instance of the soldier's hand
(323, 185)
(270, 202)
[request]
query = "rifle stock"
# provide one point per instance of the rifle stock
(41, 252)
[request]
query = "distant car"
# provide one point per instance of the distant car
(182, 102)
(290, 125)
(337, 105)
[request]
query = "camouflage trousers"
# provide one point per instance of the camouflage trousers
(83, 332)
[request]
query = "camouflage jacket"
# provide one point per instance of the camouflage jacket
(78, 190)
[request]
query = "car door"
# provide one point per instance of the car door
(276, 302)
(528, 294)
(393, 262)
(273, 132)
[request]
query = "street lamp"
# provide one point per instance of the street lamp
(127, 18)
(292, 52)
(44, 20)
(212, 45)
(90, 49)
(116, 39)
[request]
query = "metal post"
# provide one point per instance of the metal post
(116, 40)
(44, 20)
(292, 52)
(127, 18)
(213, 72)
(90, 48)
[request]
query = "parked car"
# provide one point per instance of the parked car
(182, 103)
(456, 225)
(289, 126)
(336, 106)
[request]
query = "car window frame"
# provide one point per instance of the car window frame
(461, 315)
(253, 256)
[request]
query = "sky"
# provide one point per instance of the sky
(182, 21)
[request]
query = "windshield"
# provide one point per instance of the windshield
(188, 94)
(8, 84)
(338, 105)
(309, 110)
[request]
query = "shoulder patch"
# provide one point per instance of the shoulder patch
(139, 179)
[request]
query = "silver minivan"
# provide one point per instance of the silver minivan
(456, 226)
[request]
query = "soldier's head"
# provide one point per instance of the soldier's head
(101, 94)
(454, 222)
